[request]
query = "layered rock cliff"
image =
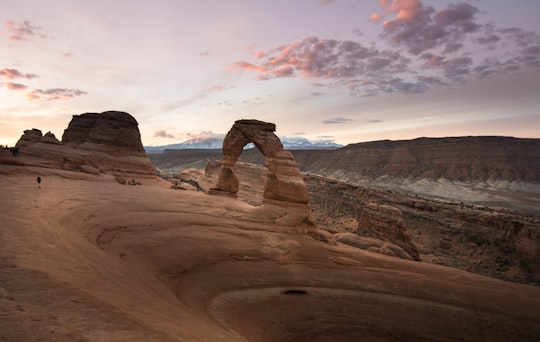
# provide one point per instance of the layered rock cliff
(93, 143)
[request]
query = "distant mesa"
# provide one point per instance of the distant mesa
(108, 142)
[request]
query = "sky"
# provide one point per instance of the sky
(342, 70)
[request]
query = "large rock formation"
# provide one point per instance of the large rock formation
(93, 143)
(110, 132)
(285, 196)
(111, 140)
(284, 182)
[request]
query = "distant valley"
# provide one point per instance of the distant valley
(496, 171)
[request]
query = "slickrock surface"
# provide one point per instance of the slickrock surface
(85, 258)
(499, 243)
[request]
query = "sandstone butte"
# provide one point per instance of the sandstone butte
(85, 258)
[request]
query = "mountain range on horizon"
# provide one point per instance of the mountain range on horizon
(215, 142)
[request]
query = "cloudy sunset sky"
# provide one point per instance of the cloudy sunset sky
(343, 70)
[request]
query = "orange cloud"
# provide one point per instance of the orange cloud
(405, 9)
(375, 17)
(250, 66)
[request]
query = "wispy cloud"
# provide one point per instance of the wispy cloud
(14, 73)
(54, 94)
(24, 30)
(163, 134)
(336, 120)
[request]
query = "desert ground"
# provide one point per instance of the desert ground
(84, 258)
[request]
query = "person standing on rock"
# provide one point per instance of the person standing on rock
(38, 179)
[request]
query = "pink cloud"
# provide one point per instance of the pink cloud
(250, 66)
(24, 30)
(14, 73)
(419, 28)
(405, 9)
(15, 86)
(313, 57)
(54, 94)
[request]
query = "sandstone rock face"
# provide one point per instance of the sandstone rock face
(284, 182)
(50, 138)
(29, 137)
(455, 158)
(111, 140)
(494, 242)
(373, 245)
(386, 222)
(93, 143)
(111, 132)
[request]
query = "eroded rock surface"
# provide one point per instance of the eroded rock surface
(386, 222)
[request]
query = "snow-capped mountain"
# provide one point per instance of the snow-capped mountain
(216, 142)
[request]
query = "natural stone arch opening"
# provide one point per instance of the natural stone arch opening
(284, 182)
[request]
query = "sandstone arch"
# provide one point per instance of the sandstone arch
(284, 182)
